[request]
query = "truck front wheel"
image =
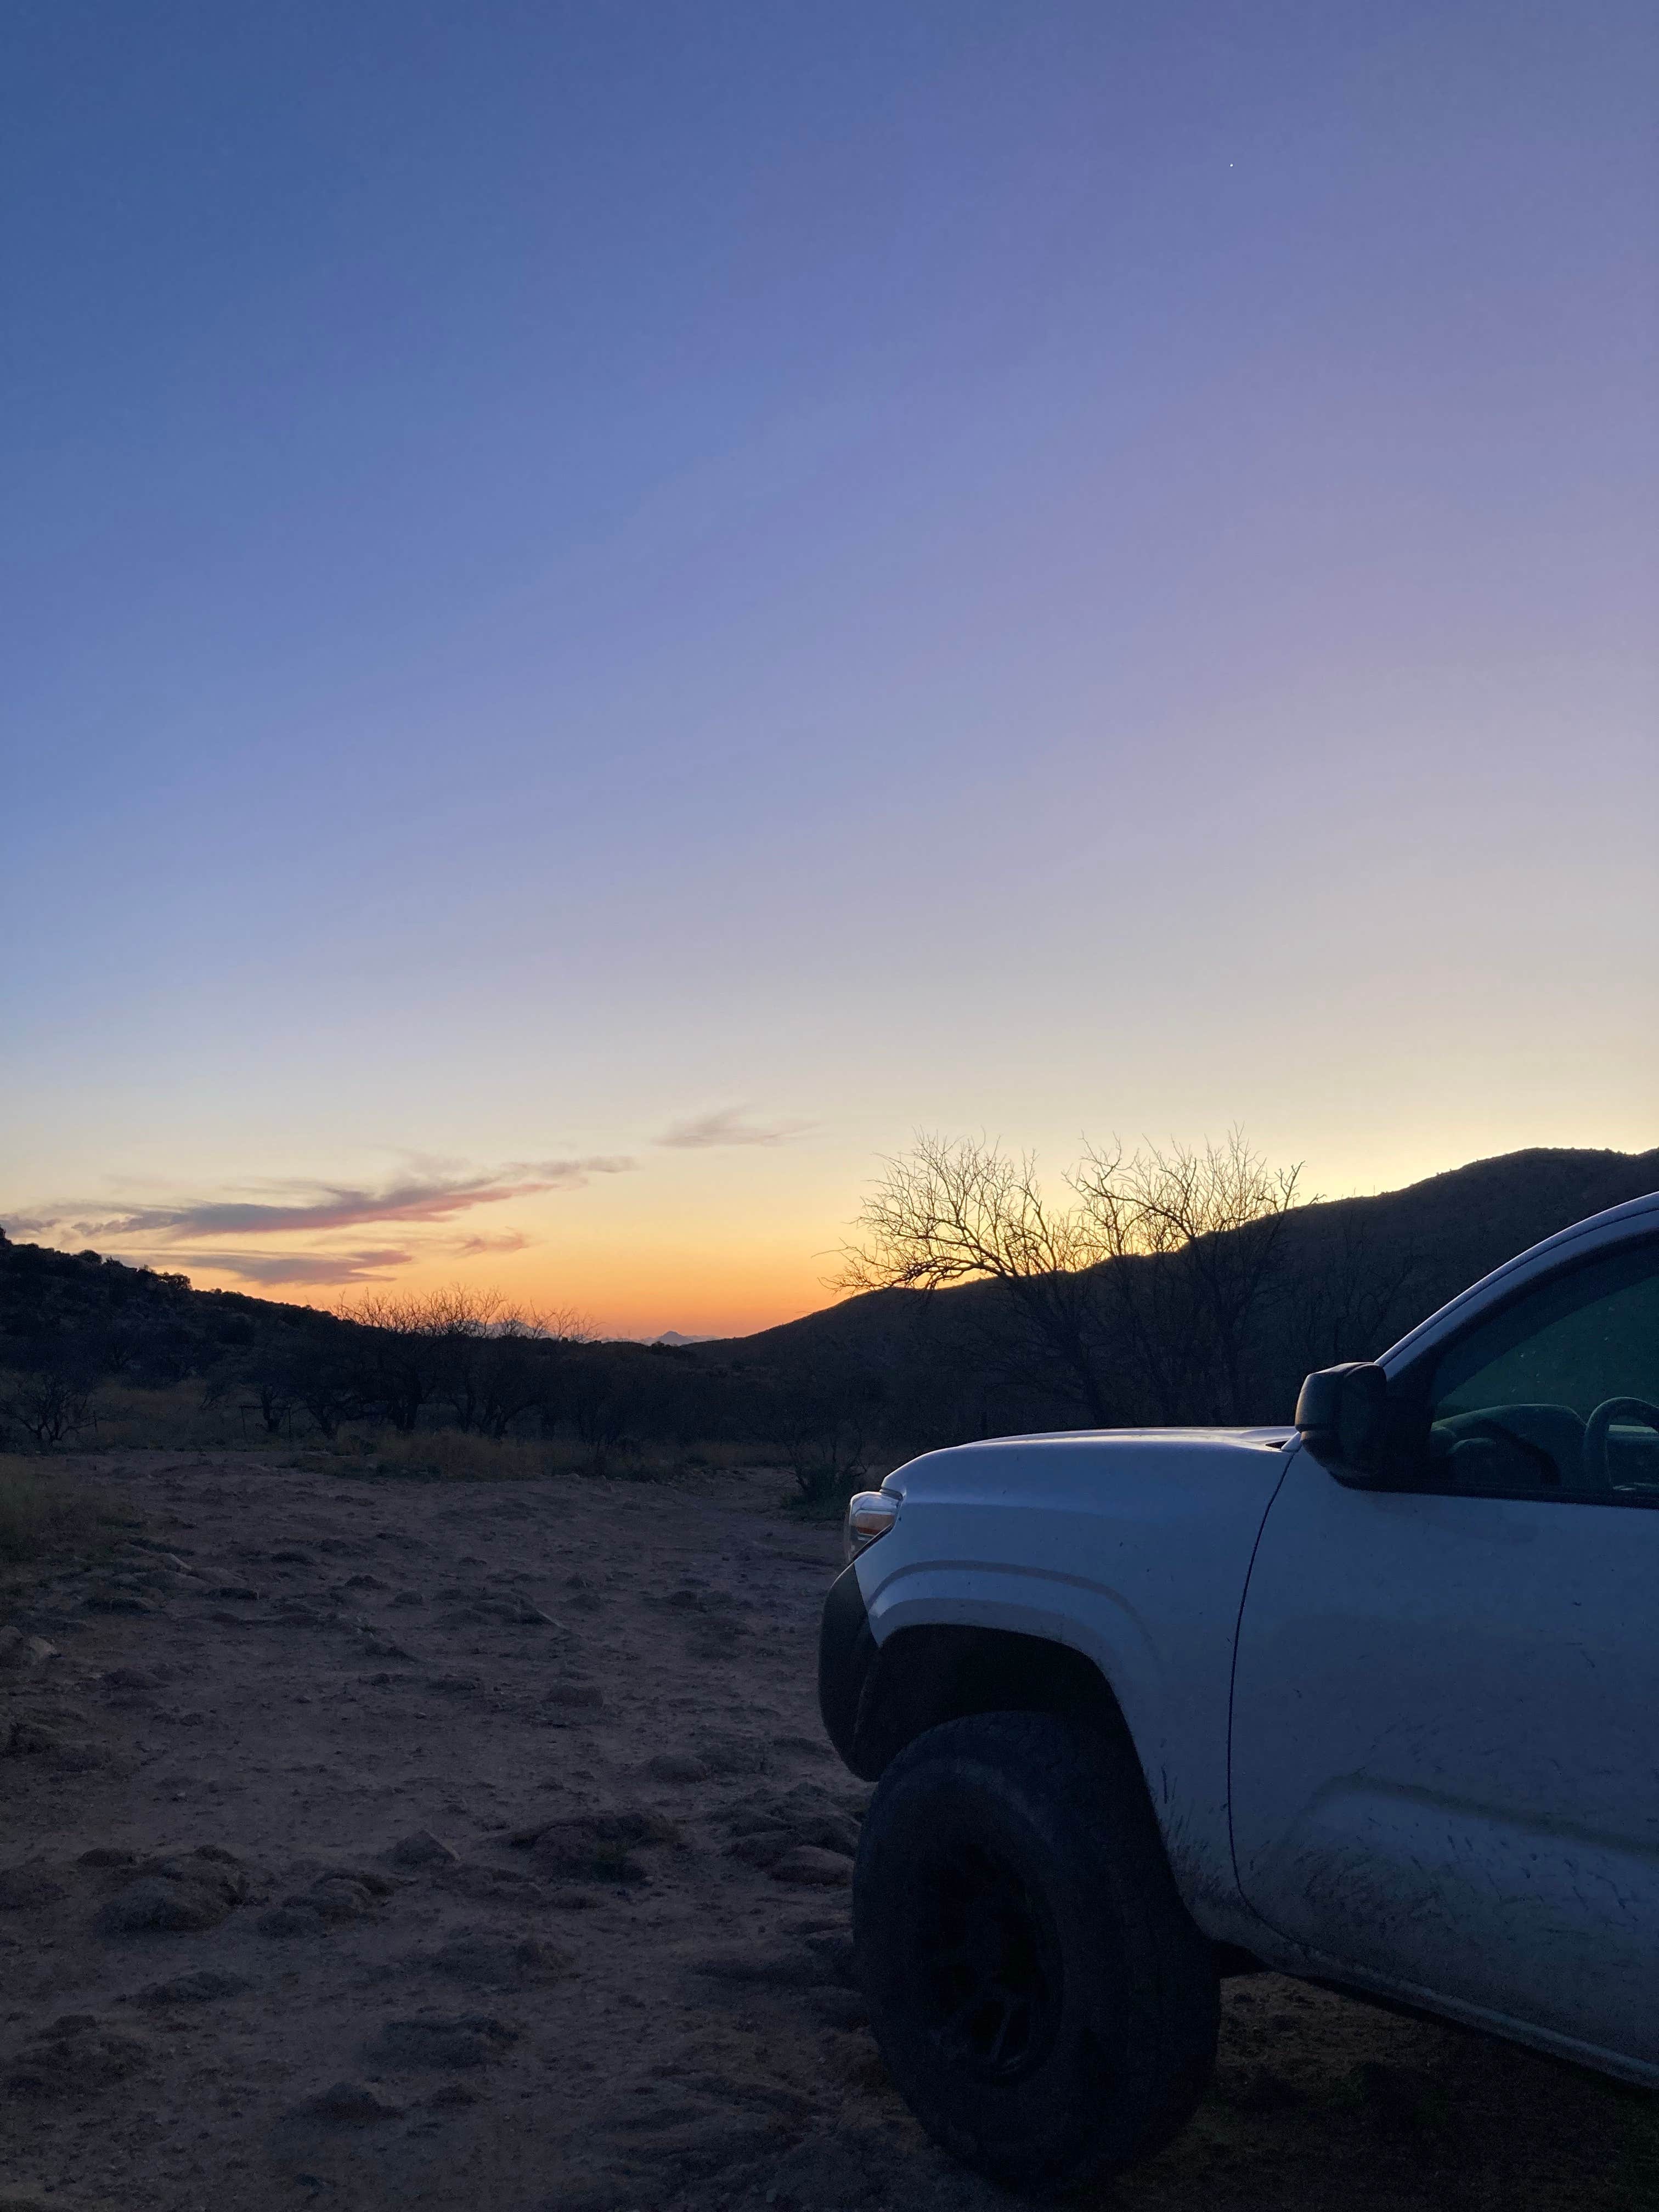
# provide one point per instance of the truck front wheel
(1038, 1990)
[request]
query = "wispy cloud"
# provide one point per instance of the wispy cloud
(728, 1126)
(311, 1209)
(509, 1240)
(270, 1268)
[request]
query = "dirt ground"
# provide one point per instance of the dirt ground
(370, 1842)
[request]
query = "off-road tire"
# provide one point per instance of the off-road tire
(1038, 1990)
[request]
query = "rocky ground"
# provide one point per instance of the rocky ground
(369, 1842)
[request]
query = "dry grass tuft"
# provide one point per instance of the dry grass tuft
(41, 1512)
(449, 1455)
(180, 1418)
(173, 1419)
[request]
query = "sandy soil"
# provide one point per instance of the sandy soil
(380, 1843)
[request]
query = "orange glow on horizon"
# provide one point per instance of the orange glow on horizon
(732, 1293)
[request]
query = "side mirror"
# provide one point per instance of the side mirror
(1341, 1414)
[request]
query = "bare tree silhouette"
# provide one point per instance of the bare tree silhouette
(1197, 1234)
(953, 1212)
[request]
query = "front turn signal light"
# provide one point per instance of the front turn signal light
(871, 1514)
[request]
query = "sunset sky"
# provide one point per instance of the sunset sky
(611, 607)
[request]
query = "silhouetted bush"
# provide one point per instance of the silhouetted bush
(1197, 1331)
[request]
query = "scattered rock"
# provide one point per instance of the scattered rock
(782, 1969)
(349, 2104)
(833, 1952)
(76, 2056)
(489, 1885)
(810, 1868)
(513, 1611)
(597, 1846)
(28, 1739)
(804, 1747)
(769, 2011)
(120, 1602)
(586, 1697)
(830, 1832)
(180, 1895)
(299, 1611)
(336, 1895)
(796, 1816)
(715, 1638)
(422, 1849)
(22, 1654)
(706, 2144)
(837, 2171)
(732, 1755)
(764, 1848)
(468, 2039)
(25, 1888)
(285, 1920)
(205, 1986)
(678, 1766)
(483, 1961)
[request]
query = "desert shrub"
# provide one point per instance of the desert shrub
(181, 1418)
(39, 1512)
(49, 1405)
(463, 1456)
(821, 1423)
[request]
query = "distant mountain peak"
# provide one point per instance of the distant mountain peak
(678, 1336)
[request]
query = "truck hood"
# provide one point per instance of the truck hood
(1059, 1460)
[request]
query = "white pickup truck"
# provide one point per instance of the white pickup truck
(1371, 1698)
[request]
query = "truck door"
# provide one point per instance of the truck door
(1445, 1746)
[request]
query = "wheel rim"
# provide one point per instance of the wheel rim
(986, 1961)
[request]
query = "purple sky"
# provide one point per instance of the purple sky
(610, 607)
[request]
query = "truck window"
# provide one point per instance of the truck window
(1559, 1391)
